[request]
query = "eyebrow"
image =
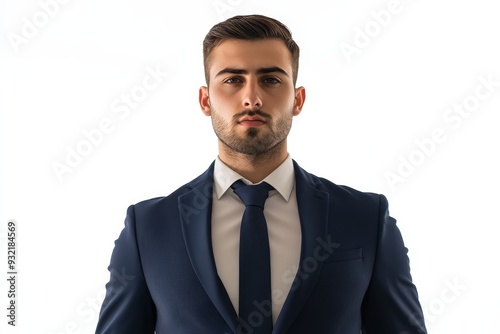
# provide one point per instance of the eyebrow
(262, 70)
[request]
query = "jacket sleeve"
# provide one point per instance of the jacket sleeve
(391, 304)
(128, 307)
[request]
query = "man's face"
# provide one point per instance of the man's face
(251, 97)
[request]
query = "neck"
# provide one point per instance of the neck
(254, 168)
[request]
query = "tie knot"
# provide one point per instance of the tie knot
(252, 195)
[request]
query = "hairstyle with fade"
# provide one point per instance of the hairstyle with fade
(250, 28)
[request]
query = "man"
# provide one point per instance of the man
(315, 258)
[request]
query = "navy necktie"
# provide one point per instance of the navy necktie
(255, 304)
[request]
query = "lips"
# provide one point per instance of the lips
(251, 121)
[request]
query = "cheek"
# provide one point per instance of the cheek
(223, 100)
(283, 99)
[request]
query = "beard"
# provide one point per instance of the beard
(254, 141)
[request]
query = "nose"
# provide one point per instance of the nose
(251, 95)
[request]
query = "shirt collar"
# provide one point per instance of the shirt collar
(282, 178)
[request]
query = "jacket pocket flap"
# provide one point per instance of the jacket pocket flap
(345, 255)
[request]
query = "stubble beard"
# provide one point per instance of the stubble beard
(256, 141)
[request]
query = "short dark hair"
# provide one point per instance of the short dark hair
(251, 28)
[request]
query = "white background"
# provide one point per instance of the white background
(363, 114)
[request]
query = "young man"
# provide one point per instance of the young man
(303, 256)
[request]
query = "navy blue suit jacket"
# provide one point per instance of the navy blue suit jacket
(354, 275)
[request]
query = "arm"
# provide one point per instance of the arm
(391, 303)
(128, 306)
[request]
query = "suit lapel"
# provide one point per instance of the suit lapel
(195, 208)
(313, 213)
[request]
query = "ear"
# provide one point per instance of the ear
(204, 100)
(300, 98)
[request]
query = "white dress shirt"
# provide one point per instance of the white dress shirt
(283, 226)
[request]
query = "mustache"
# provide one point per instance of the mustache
(252, 113)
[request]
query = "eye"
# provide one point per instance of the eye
(232, 80)
(271, 81)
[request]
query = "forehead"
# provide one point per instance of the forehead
(250, 55)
